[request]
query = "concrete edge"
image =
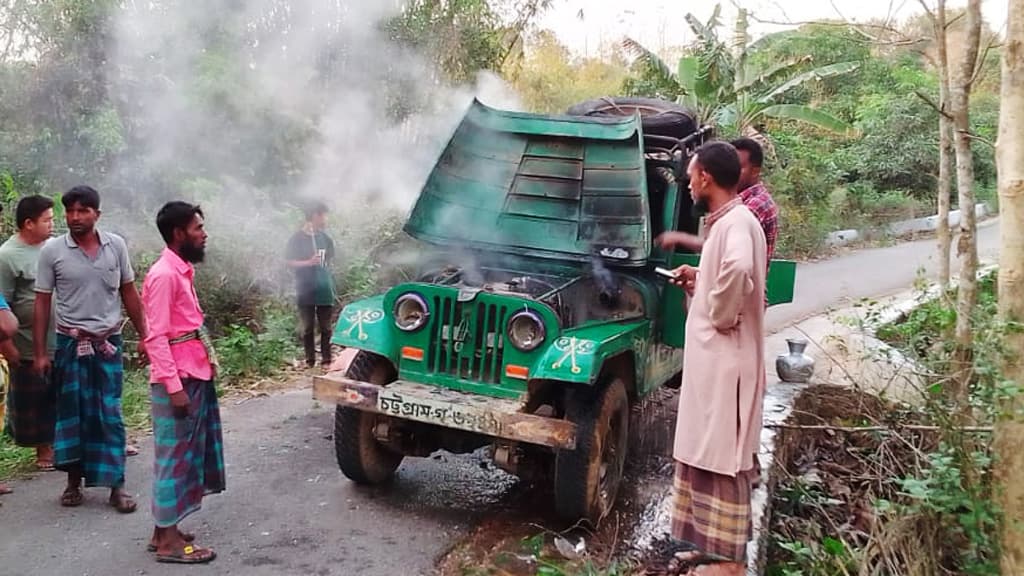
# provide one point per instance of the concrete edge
(906, 227)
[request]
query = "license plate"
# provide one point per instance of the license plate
(431, 411)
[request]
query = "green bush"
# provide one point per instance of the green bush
(244, 353)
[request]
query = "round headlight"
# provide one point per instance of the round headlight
(526, 330)
(410, 312)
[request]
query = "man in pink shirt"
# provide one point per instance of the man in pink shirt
(189, 458)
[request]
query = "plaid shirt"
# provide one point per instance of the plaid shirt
(760, 202)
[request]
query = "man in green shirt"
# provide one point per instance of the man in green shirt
(32, 397)
(309, 253)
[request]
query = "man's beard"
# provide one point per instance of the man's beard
(193, 253)
(700, 207)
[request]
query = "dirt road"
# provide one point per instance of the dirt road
(288, 510)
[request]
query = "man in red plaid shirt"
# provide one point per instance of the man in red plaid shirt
(753, 193)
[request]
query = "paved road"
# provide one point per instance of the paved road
(870, 273)
(289, 511)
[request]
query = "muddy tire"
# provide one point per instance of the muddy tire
(587, 479)
(360, 456)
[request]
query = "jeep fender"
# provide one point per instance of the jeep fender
(364, 324)
(579, 355)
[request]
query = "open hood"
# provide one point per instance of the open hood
(561, 187)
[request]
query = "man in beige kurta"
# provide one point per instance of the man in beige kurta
(718, 426)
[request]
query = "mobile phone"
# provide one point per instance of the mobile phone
(666, 273)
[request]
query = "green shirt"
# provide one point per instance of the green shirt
(17, 284)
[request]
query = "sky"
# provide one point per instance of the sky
(660, 24)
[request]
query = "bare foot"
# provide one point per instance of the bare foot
(121, 501)
(5, 489)
(44, 458)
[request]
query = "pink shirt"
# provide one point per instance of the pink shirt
(172, 309)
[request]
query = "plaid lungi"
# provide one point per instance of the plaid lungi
(90, 430)
(31, 407)
(712, 511)
(188, 460)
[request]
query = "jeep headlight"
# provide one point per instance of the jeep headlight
(410, 312)
(526, 330)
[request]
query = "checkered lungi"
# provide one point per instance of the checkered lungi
(712, 511)
(188, 459)
(31, 406)
(90, 434)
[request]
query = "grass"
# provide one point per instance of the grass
(14, 460)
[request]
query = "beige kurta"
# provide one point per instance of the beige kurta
(718, 426)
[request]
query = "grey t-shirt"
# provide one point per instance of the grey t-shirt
(87, 290)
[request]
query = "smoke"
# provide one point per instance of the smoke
(252, 107)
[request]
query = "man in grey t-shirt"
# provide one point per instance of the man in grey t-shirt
(89, 274)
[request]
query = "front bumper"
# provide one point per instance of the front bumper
(495, 417)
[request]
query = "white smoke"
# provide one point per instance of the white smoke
(274, 98)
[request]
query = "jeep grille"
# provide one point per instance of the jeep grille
(467, 339)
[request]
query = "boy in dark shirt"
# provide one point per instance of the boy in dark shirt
(310, 253)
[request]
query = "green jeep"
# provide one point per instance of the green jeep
(538, 321)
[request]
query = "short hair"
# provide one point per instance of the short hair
(721, 161)
(752, 148)
(84, 195)
(175, 215)
(31, 208)
(313, 208)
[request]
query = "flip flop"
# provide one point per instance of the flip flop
(45, 465)
(184, 536)
(123, 503)
(189, 554)
(71, 497)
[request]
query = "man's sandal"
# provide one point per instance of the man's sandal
(184, 536)
(188, 554)
(72, 497)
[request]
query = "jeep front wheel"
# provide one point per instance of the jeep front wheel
(587, 479)
(360, 456)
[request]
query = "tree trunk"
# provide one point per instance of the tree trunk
(945, 148)
(1009, 437)
(967, 248)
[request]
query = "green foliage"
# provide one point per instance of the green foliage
(14, 459)
(830, 556)
(945, 489)
(550, 78)
(244, 354)
(726, 87)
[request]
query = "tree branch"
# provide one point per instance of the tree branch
(973, 136)
(979, 64)
(853, 429)
(932, 103)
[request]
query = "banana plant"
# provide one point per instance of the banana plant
(722, 85)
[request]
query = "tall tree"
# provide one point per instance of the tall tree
(1009, 466)
(939, 27)
(967, 248)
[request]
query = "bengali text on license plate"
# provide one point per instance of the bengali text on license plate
(435, 412)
